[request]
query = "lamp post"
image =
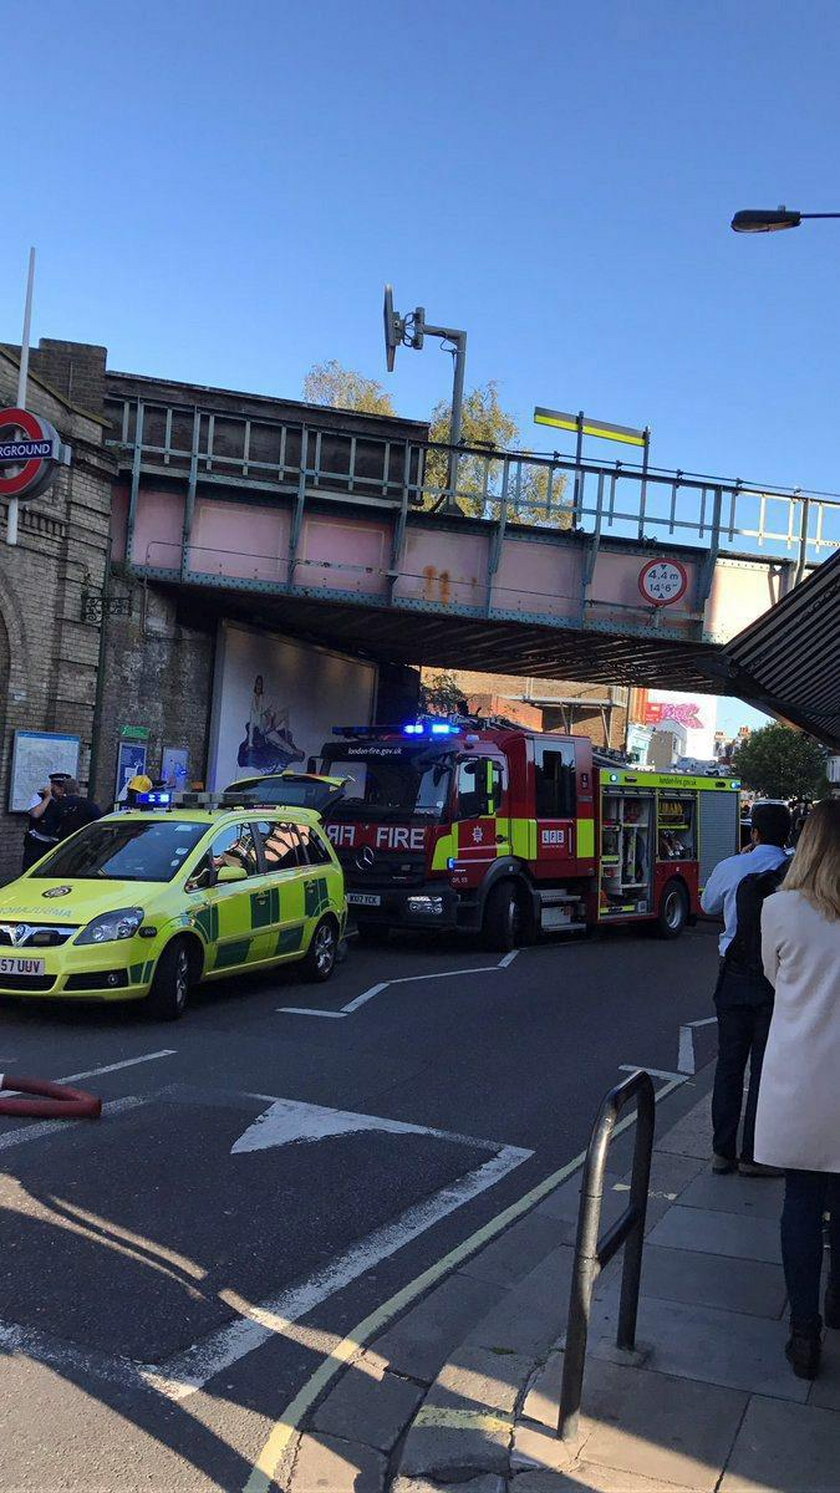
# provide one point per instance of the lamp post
(771, 220)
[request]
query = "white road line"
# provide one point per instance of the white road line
(367, 995)
(66, 1357)
(310, 1011)
(188, 1372)
(11, 1138)
(686, 1060)
(654, 1072)
(147, 1057)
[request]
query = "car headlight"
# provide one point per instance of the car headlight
(112, 925)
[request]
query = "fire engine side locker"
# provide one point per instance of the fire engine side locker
(628, 827)
(695, 823)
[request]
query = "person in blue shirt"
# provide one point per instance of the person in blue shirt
(743, 996)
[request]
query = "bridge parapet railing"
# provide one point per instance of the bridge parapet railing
(549, 490)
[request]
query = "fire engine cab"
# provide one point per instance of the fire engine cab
(491, 829)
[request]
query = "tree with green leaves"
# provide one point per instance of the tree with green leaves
(343, 389)
(536, 495)
(442, 695)
(780, 762)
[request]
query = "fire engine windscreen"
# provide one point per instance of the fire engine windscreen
(391, 782)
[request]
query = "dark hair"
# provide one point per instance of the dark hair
(772, 821)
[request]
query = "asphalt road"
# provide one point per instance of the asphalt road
(270, 1169)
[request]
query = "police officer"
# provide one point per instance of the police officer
(44, 815)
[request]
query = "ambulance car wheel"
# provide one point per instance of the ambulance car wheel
(503, 925)
(673, 910)
(373, 933)
(170, 992)
(319, 961)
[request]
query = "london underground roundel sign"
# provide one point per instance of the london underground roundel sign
(30, 449)
(662, 582)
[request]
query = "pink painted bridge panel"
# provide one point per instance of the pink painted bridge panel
(158, 528)
(344, 554)
(614, 593)
(741, 591)
(537, 578)
(444, 568)
(246, 543)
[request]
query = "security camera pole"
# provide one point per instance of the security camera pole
(409, 331)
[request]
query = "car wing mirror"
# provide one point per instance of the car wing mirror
(231, 873)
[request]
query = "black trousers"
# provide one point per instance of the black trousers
(33, 850)
(807, 1196)
(742, 1038)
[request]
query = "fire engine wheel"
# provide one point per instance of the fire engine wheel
(504, 922)
(673, 910)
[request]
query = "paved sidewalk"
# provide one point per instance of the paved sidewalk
(463, 1390)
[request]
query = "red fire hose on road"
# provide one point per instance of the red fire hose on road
(53, 1101)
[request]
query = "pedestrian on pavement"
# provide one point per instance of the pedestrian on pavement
(75, 810)
(44, 813)
(798, 1121)
(801, 812)
(743, 996)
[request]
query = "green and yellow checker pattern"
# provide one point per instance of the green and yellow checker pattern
(254, 923)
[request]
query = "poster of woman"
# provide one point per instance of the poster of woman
(276, 700)
(268, 744)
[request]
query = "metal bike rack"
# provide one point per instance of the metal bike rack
(592, 1253)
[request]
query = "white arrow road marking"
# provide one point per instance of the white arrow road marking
(289, 1121)
(367, 995)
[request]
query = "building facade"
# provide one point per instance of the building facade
(50, 638)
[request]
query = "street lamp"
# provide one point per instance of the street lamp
(771, 220)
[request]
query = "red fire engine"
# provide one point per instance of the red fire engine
(484, 827)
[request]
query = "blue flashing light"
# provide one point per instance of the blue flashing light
(443, 728)
(413, 728)
(158, 799)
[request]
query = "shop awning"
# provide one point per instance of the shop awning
(788, 661)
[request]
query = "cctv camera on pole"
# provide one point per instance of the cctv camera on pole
(410, 331)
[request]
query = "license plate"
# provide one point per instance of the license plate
(17, 965)
(363, 899)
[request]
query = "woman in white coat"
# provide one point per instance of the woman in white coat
(798, 1118)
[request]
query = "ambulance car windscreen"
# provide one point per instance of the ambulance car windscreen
(391, 782)
(123, 850)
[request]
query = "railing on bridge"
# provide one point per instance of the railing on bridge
(550, 491)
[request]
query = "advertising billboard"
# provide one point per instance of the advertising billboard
(697, 716)
(275, 702)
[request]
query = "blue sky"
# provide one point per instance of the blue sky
(219, 195)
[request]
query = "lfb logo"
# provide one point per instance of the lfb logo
(30, 450)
